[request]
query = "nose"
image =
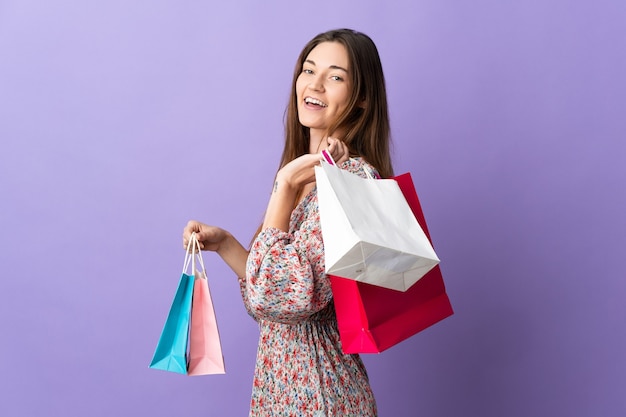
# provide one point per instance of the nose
(316, 83)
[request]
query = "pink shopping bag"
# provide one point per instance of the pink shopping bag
(205, 350)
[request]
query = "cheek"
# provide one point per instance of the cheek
(343, 98)
(343, 93)
(299, 87)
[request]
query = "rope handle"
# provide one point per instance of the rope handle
(190, 257)
(188, 254)
(200, 260)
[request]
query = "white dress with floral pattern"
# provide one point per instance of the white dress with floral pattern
(300, 368)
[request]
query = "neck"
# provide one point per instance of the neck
(316, 140)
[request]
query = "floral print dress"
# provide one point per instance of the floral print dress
(300, 367)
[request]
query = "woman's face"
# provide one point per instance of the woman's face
(323, 87)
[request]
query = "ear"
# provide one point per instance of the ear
(362, 104)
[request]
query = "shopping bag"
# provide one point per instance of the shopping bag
(205, 349)
(171, 351)
(370, 233)
(372, 319)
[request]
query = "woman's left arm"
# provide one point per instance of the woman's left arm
(290, 179)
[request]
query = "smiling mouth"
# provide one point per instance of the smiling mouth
(314, 101)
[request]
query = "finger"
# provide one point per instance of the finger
(343, 153)
(332, 145)
(202, 235)
(186, 244)
(336, 150)
(191, 227)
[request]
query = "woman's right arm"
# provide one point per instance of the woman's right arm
(221, 241)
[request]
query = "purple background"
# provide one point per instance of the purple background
(121, 120)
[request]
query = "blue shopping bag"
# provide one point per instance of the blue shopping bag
(171, 350)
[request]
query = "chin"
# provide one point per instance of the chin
(309, 123)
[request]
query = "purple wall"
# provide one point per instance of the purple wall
(121, 120)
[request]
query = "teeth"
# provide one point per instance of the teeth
(314, 101)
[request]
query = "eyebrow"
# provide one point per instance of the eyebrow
(332, 66)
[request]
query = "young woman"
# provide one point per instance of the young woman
(338, 102)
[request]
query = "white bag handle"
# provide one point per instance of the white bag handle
(188, 255)
(199, 255)
(331, 161)
(192, 246)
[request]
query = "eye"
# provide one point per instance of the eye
(307, 71)
(336, 78)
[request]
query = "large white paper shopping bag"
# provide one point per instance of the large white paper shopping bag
(370, 233)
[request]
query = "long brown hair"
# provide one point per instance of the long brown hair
(365, 121)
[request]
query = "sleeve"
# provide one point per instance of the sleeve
(285, 279)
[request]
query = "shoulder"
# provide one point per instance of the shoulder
(359, 166)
